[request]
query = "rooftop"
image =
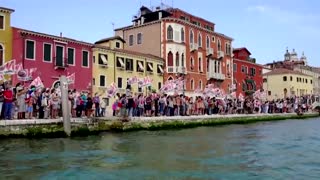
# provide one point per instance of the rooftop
(280, 71)
(109, 39)
(3, 9)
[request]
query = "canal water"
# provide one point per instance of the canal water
(272, 150)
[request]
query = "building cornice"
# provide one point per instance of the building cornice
(6, 10)
(24, 32)
(239, 60)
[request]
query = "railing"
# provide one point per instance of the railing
(193, 46)
(62, 64)
(179, 69)
(218, 76)
(209, 51)
(220, 54)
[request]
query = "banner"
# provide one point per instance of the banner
(25, 74)
(71, 78)
(9, 67)
(111, 90)
(133, 80)
(37, 83)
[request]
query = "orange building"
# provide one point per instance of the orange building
(189, 45)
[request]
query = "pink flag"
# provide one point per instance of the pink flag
(71, 78)
(9, 67)
(18, 67)
(37, 82)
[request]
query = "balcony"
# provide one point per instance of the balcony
(179, 69)
(193, 47)
(220, 54)
(209, 51)
(217, 76)
(60, 63)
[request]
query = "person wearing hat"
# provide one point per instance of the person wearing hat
(21, 96)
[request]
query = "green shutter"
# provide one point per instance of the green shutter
(85, 60)
(70, 56)
(30, 50)
(47, 52)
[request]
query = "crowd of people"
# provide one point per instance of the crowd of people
(154, 104)
(22, 102)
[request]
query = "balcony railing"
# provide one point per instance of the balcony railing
(179, 69)
(209, 51)
(220, 54)
(193, 47)
(218, 76)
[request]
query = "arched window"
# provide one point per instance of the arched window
(200, 84)
(199, 40)
(192, 84)
(170, 78)
(200, 64)
(191, 36)
(182, 35)
(192, 63)
(208, 42)
(177, 59)
(219, 45)
(1, 55)
(169, 33)
(170, 59)
(182, 60)
(284, 78)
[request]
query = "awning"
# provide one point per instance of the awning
(121, 62)
(141, 66)
(160, 68)
(150, 67)
(104, 59)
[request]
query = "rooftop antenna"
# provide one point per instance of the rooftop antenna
(112, 25)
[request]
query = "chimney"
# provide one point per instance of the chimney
(60, 34)
(160, 15)
(142, 20)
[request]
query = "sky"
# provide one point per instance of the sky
(265, 27)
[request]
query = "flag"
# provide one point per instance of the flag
(18, 67)
(71, 78)
(37, 83)
(9, 67)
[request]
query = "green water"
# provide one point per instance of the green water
(273, 150)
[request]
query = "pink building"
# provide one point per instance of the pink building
(53, 56)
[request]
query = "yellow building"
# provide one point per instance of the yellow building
(282, 83)
(111, 63)
(5, 35)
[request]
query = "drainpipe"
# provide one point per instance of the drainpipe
(114, 67)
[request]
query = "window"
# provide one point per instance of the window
(200, 40)
(192, 84)
(169, 33)
(1, 22)
(30, 49)
(93, 81)
(284, 78)
(200, 84)
(311, 81)
(306, 80)
(160, 69)
(59, 56)
(177, 59)
(219, 45)
(71, 56)
(182, 35)
(140, 66)
(119, 82)
(103, 59)
(139, 38)
(94, 59)
(102, 81)
(234, 67)
(170, 59)
(117, 45)
(213, 39)
(208, 42)
(200, 64)
(47, 52)
(159, 85)
(242, 69)
(120, 62)
(131, 40)
(192, 64)
(290, 78)
(297, 79)
(269, 93)
(85, 58)
(129, 64)
(246, 70)
(149, 67)
(1, 55)
(182, 60)
(191, 37)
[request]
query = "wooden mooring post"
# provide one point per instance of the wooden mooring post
(65, 106)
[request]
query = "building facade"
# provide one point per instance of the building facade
(53, 56)
(189, 45)
(282, 83)
(311, 71)
(246, 72)
(5, 35)
(112, 63)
